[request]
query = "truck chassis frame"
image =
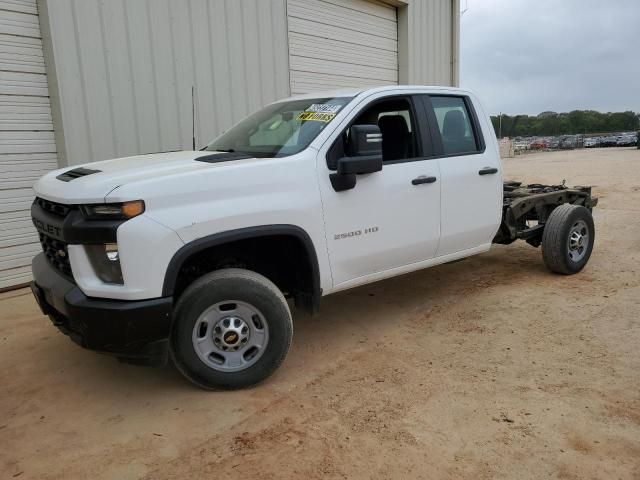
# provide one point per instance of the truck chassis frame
(526, 209)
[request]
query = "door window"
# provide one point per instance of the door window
(396, 120)
(455, 125)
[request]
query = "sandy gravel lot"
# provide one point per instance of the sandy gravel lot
(487, 368)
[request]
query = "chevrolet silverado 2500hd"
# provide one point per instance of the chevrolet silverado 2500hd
(195, 253)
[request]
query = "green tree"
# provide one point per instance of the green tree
(576, 121)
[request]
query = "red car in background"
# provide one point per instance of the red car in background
(537, 145)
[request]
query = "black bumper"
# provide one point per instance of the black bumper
(134, 331)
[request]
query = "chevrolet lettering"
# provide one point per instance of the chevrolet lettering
(46, 228)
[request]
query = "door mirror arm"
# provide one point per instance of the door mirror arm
(341, 182)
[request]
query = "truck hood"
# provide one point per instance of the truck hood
(108, 175)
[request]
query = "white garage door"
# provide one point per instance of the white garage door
(27, 146)
(341, 43)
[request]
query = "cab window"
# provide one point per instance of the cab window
(455, 125)
(396, 120)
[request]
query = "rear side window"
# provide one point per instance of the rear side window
(455, 125)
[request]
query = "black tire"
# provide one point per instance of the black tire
(556, 239)
(227, 285)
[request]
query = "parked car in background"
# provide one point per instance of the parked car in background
(591, 142)
(566, 143)
(538, 144)
(609, 141)
(553, 143)
(626, 140)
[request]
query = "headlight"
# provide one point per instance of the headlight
(105, 261)
(113, 211)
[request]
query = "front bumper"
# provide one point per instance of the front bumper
(134, 331)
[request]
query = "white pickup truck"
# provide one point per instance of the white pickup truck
(195, 253)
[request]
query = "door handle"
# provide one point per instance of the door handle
(423, 179)
(488, 171)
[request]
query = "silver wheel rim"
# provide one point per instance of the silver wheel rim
(578, 242)
(230, 336)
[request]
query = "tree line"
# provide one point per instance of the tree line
(577, 121)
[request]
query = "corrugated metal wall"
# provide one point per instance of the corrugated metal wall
(124, 70)
(338, 43)
(430, 43)
(121, 71)
(27, 147)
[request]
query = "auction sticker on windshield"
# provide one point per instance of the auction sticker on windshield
(315, 116)
(319, 112)
(323, 108)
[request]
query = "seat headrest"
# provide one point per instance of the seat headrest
(394, 124)
(454, 125)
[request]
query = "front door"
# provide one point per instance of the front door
(391, 218)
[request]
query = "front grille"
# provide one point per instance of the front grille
(56, 252)
(52, 207)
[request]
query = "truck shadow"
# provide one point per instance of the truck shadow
(356, 315)
(501, 266)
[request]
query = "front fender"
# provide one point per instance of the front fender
(217, 239)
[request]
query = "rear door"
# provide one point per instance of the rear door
(471, 186)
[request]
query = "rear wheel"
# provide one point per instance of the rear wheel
(567, 240)
(232, 328)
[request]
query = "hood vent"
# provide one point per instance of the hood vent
(76, 173)
(223, 157)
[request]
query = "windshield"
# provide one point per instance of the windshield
(280, 129)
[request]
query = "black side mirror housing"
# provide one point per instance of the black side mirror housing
(364, 141)
(364, 156)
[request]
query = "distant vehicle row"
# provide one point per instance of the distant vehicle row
(567, 142)
(623, 140)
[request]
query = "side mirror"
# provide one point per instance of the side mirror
(364, 141)
(364, 155)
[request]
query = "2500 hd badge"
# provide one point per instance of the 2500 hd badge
(355, 233)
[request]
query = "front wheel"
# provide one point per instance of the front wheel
(567, 239)
(231, 329)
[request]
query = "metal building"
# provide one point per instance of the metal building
(87, 80)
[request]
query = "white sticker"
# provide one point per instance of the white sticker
(323, 108)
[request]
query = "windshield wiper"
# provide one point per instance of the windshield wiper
(225, 150)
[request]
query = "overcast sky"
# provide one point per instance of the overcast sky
(530, 56)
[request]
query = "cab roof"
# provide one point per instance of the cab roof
(353, 92)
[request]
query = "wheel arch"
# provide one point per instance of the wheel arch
(189, 250)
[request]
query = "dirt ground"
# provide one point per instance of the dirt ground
(487, 368)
